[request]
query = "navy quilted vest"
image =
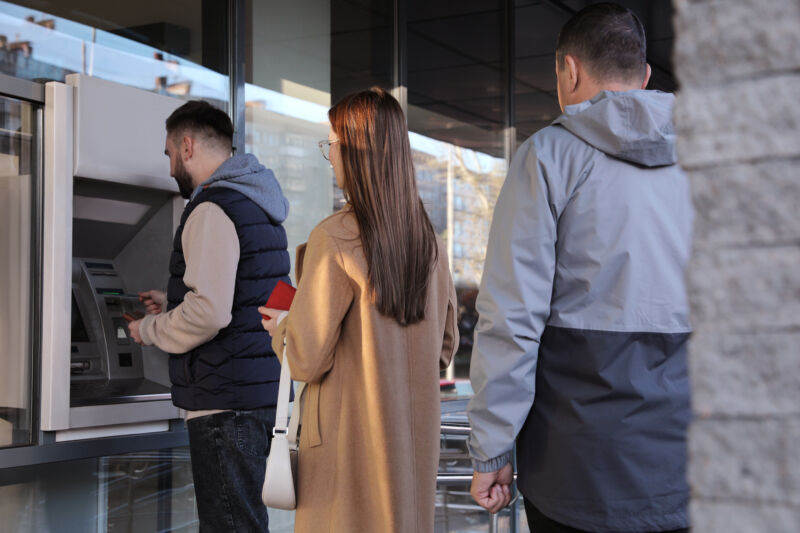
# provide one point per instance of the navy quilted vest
(237, 369)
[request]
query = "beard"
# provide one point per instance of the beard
(185, 185)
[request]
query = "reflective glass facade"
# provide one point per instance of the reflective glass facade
(18, 131)
(136, 492)
(176, 48)
(299, 56)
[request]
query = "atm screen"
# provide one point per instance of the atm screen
(79, 333)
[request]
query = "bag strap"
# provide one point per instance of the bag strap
(297, 410)
(282, 410)
(282, 424)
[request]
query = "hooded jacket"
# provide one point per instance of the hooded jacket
(580, 348)
(237, 368)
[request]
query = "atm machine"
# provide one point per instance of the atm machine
(110, 212)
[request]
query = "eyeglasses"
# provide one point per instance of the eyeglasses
(325, 148)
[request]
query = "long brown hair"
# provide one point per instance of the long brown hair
(379, 183)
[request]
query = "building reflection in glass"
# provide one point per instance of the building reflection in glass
(283, 132)
(459, 188)
(36, 45)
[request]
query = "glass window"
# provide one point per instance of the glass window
(536, 27)
(302, 57)
(177, 48)
(17, 166)
(362, 40)
(457, 94)
(145, 491)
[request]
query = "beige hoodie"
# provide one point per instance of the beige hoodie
(211, 252)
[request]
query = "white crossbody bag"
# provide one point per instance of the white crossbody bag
(280, 479)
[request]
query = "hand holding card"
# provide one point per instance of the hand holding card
(281, 298)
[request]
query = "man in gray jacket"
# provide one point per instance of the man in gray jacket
(580, 349)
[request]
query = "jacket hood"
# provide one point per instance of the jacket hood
(635, 126)
(243, 173)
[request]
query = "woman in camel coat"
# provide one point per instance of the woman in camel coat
(371, 325)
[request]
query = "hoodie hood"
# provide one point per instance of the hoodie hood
(244, 174)
(635, 126)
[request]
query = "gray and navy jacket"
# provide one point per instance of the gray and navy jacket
(580, 348)
(236, 369)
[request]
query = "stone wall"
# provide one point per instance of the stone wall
(738, 126)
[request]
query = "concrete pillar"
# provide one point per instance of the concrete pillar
(738, 126)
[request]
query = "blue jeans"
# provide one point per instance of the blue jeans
(229, 452)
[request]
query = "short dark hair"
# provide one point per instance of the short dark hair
(202, 118)
(608, 38)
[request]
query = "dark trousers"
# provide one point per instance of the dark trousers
(229, 452)
(539, 523)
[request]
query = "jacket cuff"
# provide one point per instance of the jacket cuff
(144, 329)
(492, 465)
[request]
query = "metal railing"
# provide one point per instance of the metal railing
(455, 479)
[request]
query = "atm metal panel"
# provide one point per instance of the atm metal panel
(120, 133)
(110, 210)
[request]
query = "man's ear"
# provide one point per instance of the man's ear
(646, 76)
(187, 147)
(571, 68)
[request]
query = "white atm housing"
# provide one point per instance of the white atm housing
(110, 212)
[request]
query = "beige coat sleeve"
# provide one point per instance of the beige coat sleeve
(451, 338)
(211, 252)
(324, 294)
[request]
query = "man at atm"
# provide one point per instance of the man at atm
(228, 253)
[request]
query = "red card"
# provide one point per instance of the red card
(281, 297)
(133, 315)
